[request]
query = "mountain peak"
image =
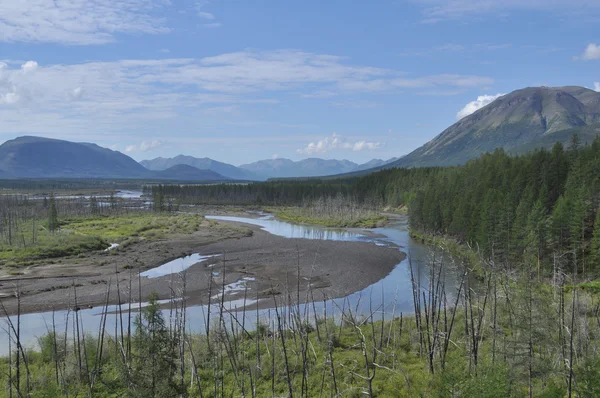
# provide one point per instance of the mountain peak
(523, 119)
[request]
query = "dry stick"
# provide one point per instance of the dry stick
(101, 332)
(55, 348)
(85, 356)
(195, 368)
(10, 365)
(129, 321)
(454, 308)
(429, 348)
(182, 330)
(393, 315)
(330, 349)
(76, 320)
(416, 303)
(287, 368)
(66, 390)
(20, 349)
(570, 383)
(258, 363)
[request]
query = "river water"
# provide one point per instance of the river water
(390, 296)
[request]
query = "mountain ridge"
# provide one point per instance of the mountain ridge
(515, 122)
(40, 157)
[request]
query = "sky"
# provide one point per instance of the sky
(243, 80)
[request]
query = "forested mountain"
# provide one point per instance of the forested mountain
(224, 169)
(37, 157)
(525, 119)
(311, 167)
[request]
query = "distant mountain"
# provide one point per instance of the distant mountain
(312, 167)
(184, 172)
(36, 157)
(518, 122)
(224, 169)
(374, 163)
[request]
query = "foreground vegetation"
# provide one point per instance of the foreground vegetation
(505, 335)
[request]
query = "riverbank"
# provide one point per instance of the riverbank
(268, 264)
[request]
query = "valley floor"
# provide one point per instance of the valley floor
(269, 263)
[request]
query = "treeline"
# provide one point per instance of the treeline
(280, 193)
(541, 206)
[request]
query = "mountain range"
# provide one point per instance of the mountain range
(265, 169)
(534, 117)
(37, 157)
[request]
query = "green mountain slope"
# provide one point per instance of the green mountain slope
(522, 120)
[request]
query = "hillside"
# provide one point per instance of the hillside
(520, 121)
(36, 157)
(184, 172)
(224, 169)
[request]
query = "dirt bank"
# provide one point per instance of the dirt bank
(268, 264)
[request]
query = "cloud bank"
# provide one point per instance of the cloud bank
(128, 95)
(78, 22)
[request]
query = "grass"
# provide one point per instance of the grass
(302, 215)
(78, 236)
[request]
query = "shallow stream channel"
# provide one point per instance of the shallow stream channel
(389, 297)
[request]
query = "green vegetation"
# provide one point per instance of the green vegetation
(80, 235)
(301, 215)
(330, 211)
(509, 336)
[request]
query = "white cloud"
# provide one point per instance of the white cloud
(479, 103)
(9, 98)
(77, 93)
(437, 10)
(29, 66)
(120, 97)
(336, 141)
(79, 22)
(206, 15)
(597, 86)
(145, 146)
(275, 156)
(213, 25)
(592, 51)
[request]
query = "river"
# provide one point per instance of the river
(390, 296)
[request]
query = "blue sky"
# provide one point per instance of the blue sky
(243, 80)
